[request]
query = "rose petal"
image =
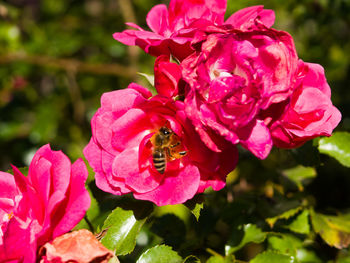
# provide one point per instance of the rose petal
(126, 166)
(257, 139)
(176, 188)
(157, 19)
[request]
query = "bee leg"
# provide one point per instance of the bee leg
(169, 152)
(174, 145)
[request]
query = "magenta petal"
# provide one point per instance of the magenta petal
(40, 176)
(182, 12)
(102, 183)
(17, 242)
(194, 115)
(209, 118)
(176, 188)
(56, 199)
(117, 184)
(93, 153)
(143, 91)
(166, 76)
(244, 18)
(128, 129)
(29, 197)
(125, 38)
(130, 24)
(316, 114)
(157, 19)
(102, 122)
(259, 140)
(60, 169)
(120, 101)
(101, 162)
(222, 87)
(267, 17)
(315, 77)
(6, 205)
(7, 185)
(79, 200)
(126, 166)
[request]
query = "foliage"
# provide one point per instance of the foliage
(58, 57)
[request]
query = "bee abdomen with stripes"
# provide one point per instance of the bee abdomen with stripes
(159, 160)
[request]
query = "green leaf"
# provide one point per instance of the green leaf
(272, 257)
(277, 206)
(251, 233)
(192, 259)
(149, 77)
(300, 175)
(285, 244)
(197, 210)
(114, 259)
(301, 223)
(216, 259)
(337, 146)
(289, 213)
(195, 205)
(221, 259)
(308, 256)
(160, 254)
(122, 230)
(335, 230)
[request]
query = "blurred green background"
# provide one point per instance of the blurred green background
(57, 57)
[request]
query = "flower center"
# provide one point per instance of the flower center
(3, 223)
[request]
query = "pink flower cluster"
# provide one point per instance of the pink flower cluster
(47, 203)
(237, 81)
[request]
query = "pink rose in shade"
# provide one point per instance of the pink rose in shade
(174, 28)
(78, 246)
(122, 144)
(47, 203)
(309, 112)
(231, 78)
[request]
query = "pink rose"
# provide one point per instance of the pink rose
(232, 77)
(309, 113)
(128, 155)
(47, 203)
(173, 29)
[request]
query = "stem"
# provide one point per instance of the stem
(89, 224)
(72, 65)
(214, 253)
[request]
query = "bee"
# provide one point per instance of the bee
(167, 146)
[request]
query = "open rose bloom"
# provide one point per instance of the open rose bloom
(174, 28)
(122, 146)
(47, 203)
(232, 78)
(237, 81)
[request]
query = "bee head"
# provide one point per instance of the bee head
(165, 131)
